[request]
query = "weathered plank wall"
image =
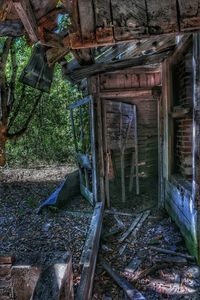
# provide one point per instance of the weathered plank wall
(112, 21)
(180, 205)
(133, 86)
(177, 90)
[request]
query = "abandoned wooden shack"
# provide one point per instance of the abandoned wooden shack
(137, 128)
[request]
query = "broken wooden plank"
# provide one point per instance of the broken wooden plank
(134, 264)
(150, 270)
(140, 223)
(27, 16)
(89, 255)
(56, 281)
(130, 229)
(7, 260)
(24, 280)
(114, 231)
(118, 213)
(177, 260)
(5, 270)
(128, 289)
(165, 251)
(122, 249)
(95, 227)
(119, 222)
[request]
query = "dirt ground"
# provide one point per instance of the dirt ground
(40, 239)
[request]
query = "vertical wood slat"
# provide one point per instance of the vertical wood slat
(196, 132)
(103, 21)
(93, 150)
(136, 151)
(100, 141)
(86, 17)
(107, 188)
(166, 89)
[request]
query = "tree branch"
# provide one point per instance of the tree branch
(25, 127)
(19, 104)
(3, 88)
(12, 83)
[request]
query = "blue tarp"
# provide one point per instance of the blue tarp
(52, 200)
(70, 187)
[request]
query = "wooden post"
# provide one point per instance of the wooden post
(93, 150)
(136, 150)
(166, 90)
(156, 91)
(196, 132)
(100, 141)
(107, 186)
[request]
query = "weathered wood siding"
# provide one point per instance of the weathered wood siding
(180, 205)
(177, 148)
(132, 86)
(106, 22)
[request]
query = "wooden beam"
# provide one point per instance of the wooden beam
(87, 71)
(89, 255)
(26, 14)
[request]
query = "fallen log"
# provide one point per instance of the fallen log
(165, 251)
(128, 289)
(89, 255)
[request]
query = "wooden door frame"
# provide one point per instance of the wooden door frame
(87, 100)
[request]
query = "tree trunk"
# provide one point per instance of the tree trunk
(3, 140)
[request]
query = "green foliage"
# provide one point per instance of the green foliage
(49, 136)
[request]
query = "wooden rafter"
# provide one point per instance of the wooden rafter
(78, 74)
(26, 14)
